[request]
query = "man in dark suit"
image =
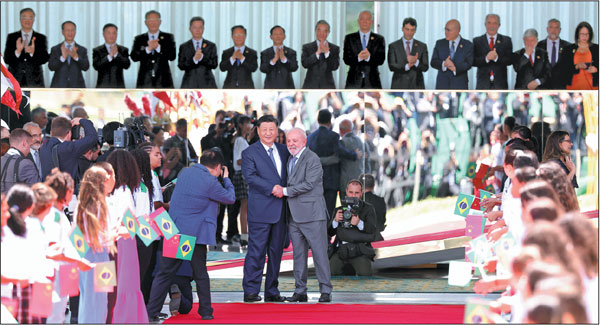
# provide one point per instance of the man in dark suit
(555, 47)
(153, 50)
(194, 211)
(181, 142)
(326, 143)
(239, 61)
(492, 54)
(408, 58)
(26, 51)
(68, 59)
(452, 57)
(265, 172)
(364, 52)
(320, 58)
(110, 59)
(198, 57)
(278, 62)
(531, 63)
(376, 201)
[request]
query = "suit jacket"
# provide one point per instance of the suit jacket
(110, 73)
(569, 69)
(27, 69)
(154, 71)
(68, 75)
(463, 60)
(198, 75)
(556, 79)
(350, 169)
(319, 74)
(503, 46)
(239, 76)
(195, 208)
(325, 142)
(305, 189)
(380, 208)
(174, 141)
(525, 72)
(279, 76)
(413, 78)
(261, 176)
(353, 46)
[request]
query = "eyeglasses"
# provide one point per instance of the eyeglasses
(567, 140)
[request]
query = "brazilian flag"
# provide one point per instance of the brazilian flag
(186, 247)
(145, 232)
(165, 224)
(79, 242)
(482, 196)
(489, 188)
(463, 204)
(471, 167)
(130, 223)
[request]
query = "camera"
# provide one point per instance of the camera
(350, 206)
(77, 132)
(129, 136)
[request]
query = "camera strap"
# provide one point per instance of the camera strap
(55, 157)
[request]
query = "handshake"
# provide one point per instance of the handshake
(277, 191)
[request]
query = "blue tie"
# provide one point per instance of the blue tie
(364, 41)
(452, 51)
(152, 38)
(292, 165)
(69, 57)
(237, 62)
(553, 60)
(272, 158)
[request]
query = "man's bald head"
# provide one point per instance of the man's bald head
(452, 29)
(345, 127)
(295, 140)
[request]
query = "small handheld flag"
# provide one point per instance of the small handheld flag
(41, 300)
(482, 171)
(471, 169)
(68, 280)
(130, 223)
(463, 204)
(79, 242)
(165, 223)
(186, 247)
(145, 232)
(476, 312)
(105, 276)
(170, 246)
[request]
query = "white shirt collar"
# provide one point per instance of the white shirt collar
(276, 47)
(490, 36)
(155, 35)
(241, 48)
(405, 40)
(299, 154)
(194, 41)
(67, 44)
(267, 147)
(30, 34)
(456, 42)
(367, 34)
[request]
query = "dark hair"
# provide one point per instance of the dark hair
(276, 26)
(220, 112)
(510, 122)
(150, 13)
(589, 28)
(127, 172)
(238, 26)
(552, 243)
(18, 135)
(368, 180)
(142, 158)
(241, 120)
(356, 182)
(523, 132)
(181, 123)
(553, 150)
(525, 174)
(196, 18)
(526, 158)
(554, 174)
(211, 158)
(62, 26)
(543, 209)
(19, 198)
(157, 129)
(60, 182)
(280, 133)
(536, 189)
(510, 156)
(26, 10)
(108, 132)
(61, 126)
(267, 119)
(324, 116)
(38, 110)
(537, 129)
(322, 22)
(584, 238)
(543, 309)
(147, 146)
(109, 25)
(518, 143)
(409, 20)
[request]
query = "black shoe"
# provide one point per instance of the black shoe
(243, 242)
(276, 298)
(154, 320)
(252, 298)
(221, 241)
(208, 317)
(234, 239)
(325, 297)
(162, 315)
(297, 298)
(175, 300)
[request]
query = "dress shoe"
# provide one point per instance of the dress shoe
(162, 315)
(154, 320)
(208, 317)
(221, 241)
(175, 300)
(325, 297)
(252, 298)
(297, 298)
(276, 298)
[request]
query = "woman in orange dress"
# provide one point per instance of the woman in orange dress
(582, 73)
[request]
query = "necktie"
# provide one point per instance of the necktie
(69, 57)
(36, 158)
(452, 51)
(237, 62)
(272, 158)
(292, 165)
(152, 38)
(364, 41)
(26, 39)
(407, 48)
(531, 59)
(553, 61)
(197, 45)
(491, 48)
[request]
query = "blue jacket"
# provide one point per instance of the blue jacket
(195, 203)
(463, 60)
(261, 176)
(325, 142)
(68, 151)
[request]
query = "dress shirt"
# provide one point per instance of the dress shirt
(533, 59)
(290, 159)
(242, 49)
(110, 58)
(456, 42)
(366, 35)
(30, 36)
(153, 37)
(199, 45)
(326, 54)
(489, 38)
(275, 49)
(67, 46)
(410, 47)
(275, 156)
(549, 48)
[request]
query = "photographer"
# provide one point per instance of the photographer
(68, 146)
(355, 227)
(180, 141)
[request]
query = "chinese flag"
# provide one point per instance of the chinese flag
(170, 246)
(69, 280)
(41, 300)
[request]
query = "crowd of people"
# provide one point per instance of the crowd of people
(551, 63)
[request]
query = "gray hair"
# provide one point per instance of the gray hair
(530, 32)
(297, 130)
(492, 15)
(346, 125)
(28, 125)
(323, 22)
(554, 20)
(370, 13)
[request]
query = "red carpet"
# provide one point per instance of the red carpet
(267, 313)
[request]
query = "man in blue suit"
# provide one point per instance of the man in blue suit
(453, 57)
(194, 210)
(265, 172)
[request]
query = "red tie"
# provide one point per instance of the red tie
(531, 59)
(491, 48)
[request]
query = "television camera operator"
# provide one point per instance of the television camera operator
(355, 227)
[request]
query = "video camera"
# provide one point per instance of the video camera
(77, 132)
(129, 136)
(350, 206)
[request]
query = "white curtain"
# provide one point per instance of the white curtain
(298, 19)
(515, 18)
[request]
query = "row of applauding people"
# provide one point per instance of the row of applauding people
(548, 64)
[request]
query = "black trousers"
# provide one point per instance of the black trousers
(330, 197)
(232, 214)
(165, 277)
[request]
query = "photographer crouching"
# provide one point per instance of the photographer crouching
(355, 227)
